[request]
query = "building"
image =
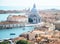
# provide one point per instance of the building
(33, 16)
(57, 24)
(14, 21)
(9, 24)
(18, 18)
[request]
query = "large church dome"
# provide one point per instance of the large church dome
(33, 16)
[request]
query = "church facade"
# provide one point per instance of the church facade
(33, 16)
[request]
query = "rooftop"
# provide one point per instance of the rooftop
(9, 22)
(18, 16)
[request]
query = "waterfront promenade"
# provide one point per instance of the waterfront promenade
(14, 24)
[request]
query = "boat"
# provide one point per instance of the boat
(12, 34)
(8, 27)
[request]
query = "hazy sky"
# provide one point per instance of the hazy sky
(44, 4)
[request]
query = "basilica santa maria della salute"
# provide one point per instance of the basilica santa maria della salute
(33, 16)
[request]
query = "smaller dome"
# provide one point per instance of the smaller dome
(34, 9)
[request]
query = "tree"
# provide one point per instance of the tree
(5, 42)
(22, 42)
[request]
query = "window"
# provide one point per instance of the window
(30, 20)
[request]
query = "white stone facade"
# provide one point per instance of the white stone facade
(33, 16)
(18, 18)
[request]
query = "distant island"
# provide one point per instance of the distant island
(26, 10)
(11, 11)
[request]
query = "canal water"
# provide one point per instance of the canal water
(6, 33)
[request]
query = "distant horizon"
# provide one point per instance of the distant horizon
(21, 8)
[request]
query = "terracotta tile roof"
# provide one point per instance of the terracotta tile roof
(18, 17)
(9, 22)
